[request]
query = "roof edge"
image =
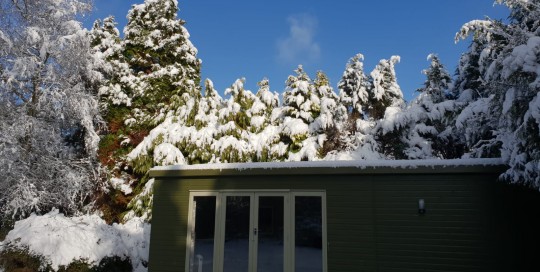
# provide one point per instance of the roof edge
(492, 165)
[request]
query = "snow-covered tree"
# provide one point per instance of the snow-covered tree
(264, 129)
(151, 98)
(509, 108)
(157, 74)
(301, 106)
(326, 127)
(48, 108)
(354, 86)
(386, 108)
(429, 132)
(328, 104)
(115, 92)
(385, 91)
(209, 106)
(438, 80)
(199, 147)
(232, 143)
(105, 37)
(261, 110)
(159, 52)
(107, 48)
(473, 112)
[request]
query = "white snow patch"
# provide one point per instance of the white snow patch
(62, 240)
(167, 154)
(508, 100)
(294, 127)
(122, 185)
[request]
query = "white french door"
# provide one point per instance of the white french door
(256, 232)
(253, 232)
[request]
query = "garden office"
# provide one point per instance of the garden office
(429, 215)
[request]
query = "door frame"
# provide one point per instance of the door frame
(288, 222)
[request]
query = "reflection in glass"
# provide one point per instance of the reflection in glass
(203, 235)
(236, 250)
(308, 234)
(270, 234)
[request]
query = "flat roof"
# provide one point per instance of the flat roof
(492, 165)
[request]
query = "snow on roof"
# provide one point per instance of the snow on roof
(359, 164)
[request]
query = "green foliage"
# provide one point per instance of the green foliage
(20, 260)
(114, 263)
(6, 225)
(199, 154)
(142, 164)
(17, 260)
(391, 145)
(141, 204)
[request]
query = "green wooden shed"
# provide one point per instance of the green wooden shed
(420, 215)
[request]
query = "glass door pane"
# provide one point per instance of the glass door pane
(308, 249)
(270, 234)
(237, 229)
(204, 214)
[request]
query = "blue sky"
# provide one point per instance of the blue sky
(262, 38)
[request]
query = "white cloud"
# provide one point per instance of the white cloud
(299, 46)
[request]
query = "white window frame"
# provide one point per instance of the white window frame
(190, 247)
(321, 194)
(289, 224)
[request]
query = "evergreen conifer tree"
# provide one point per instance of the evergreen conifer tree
(150, 98)
(232, 144)
(474, 92)
(159, 52)
(301, 105)
(354, 87)
(206, 124)
(264, 130)
(510, 106)
(427, 134)
(385, 91)
(326, 126)
(263, 106)
(385, 107)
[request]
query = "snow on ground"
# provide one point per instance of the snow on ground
(62, 240)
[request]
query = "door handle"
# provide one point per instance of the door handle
(255, 231)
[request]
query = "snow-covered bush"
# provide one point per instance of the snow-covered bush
(59, 240)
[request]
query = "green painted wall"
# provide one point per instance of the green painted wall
(472, 223)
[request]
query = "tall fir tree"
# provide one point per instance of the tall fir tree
(301, 105)
(354, 87)
(385, 91)
(232, 143)
(326, 127)
(385, 107)
(158, 51)
(206, 124)
(263, 106)
(427, 134)
(151, 96)
(264, 129)
(475, 93)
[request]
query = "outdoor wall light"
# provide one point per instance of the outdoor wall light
(421, 206)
